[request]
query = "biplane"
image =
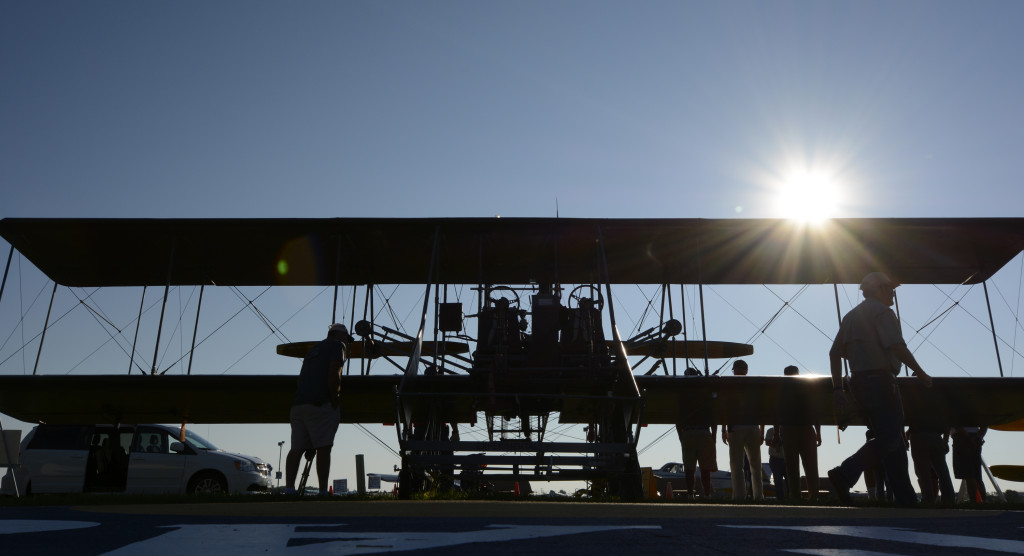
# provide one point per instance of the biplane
(541, 342)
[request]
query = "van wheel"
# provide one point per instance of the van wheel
(207, 482)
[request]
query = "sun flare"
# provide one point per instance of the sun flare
(808, 197)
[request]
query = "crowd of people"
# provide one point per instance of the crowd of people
(871, 343)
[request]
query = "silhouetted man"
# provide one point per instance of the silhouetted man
(870, 339)
(315, 412)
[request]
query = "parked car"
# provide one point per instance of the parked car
(721, 481)
(133, 459)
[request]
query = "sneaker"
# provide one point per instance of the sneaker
(840, 485)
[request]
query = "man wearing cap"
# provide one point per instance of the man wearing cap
(870, 339)
(315, 409)
(800, 443)
(744, 438)
(698, 443)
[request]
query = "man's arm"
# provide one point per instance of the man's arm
(904, 355)
(334, 382)
(836, 366)
(839, 404)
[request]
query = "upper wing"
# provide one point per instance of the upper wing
(347, 251)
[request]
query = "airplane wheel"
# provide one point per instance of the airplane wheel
(207, 482)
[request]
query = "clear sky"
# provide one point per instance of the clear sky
(590, 109)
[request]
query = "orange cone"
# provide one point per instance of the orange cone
(330, 490)
(394, 491)
(977, 495)
(668, 490)
(515, 488)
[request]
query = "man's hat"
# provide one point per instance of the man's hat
(874, 280)
(690, 371)
(344, 331)
(739, 364)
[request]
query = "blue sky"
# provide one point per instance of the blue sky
(593, 109)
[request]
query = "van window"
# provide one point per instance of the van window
(198, 441)
(61, 437)
(152, 441)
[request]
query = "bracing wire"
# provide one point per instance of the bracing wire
(761, 330)
(251, 305)
(264, 339)
(652, 443)
(377, 439)
(33, 338)
(789, 305)
(21, 321)
(100, 318)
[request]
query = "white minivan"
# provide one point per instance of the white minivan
(133, 459)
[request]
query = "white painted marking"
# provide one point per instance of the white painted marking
(904, 535)
(839, 552)
(308, 540)
(12, 526)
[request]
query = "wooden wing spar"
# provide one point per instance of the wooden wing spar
(680, 348)
(370, 399)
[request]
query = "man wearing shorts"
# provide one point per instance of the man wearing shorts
(315, 410)
(967, 443)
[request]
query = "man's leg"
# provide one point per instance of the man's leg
(689, 462)
(920, 454)
(879, 402)
(705, 482)
(752, 445)
(739, 490)
(892, 445)
(779, 475)
(790, 446)
(690, 480)
(809, 455)
(897, 478)
(291, 468)
(941, 470)
(323, 466)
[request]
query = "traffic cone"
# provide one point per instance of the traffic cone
(330, 490)
(668, 490)
(515, 488)
(394, 491)
(977, 495)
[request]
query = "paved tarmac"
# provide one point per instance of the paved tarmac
(315, 527)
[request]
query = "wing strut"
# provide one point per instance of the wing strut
(195, 330)
(135, 341)
(163, 308)
(46, 326)
(992, 324)
(414, 359)
(3, 285)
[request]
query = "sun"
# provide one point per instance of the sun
(808, 197)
